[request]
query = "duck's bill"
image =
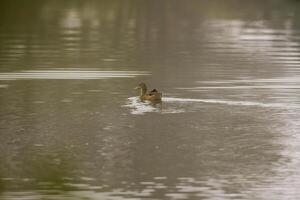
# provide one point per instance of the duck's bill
(136, 88)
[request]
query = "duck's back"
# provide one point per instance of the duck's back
(153, 95)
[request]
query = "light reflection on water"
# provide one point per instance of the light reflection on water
(69, 74)
(186, 188)
(72, 128)
(138, 107)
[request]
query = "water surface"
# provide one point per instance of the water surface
(72, 127)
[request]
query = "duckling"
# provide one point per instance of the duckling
(153, 95)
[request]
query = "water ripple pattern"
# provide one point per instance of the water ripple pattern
(228, 125)
(70, 74)
(171, 105)
(279, 92)
(138, 107)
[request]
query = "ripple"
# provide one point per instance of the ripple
(246, 87)
(295, 79)
(170, 105)
(3, 86)
(70, 74)
(139, 108)
(228, 102)
(262, 38)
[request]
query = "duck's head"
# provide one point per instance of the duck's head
(142, 87)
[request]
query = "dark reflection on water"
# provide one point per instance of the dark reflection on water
(228, 125)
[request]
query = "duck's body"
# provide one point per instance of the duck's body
(152, 96)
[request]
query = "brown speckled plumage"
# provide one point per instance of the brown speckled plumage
(153, 95)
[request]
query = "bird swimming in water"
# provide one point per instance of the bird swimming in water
(153, 95)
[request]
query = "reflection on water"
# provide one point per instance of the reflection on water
(69, 74)
(138, 107)
(228, 126)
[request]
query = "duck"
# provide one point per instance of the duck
(153, 95)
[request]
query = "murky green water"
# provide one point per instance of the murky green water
(72, 128)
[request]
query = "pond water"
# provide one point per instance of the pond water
(72, 126)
